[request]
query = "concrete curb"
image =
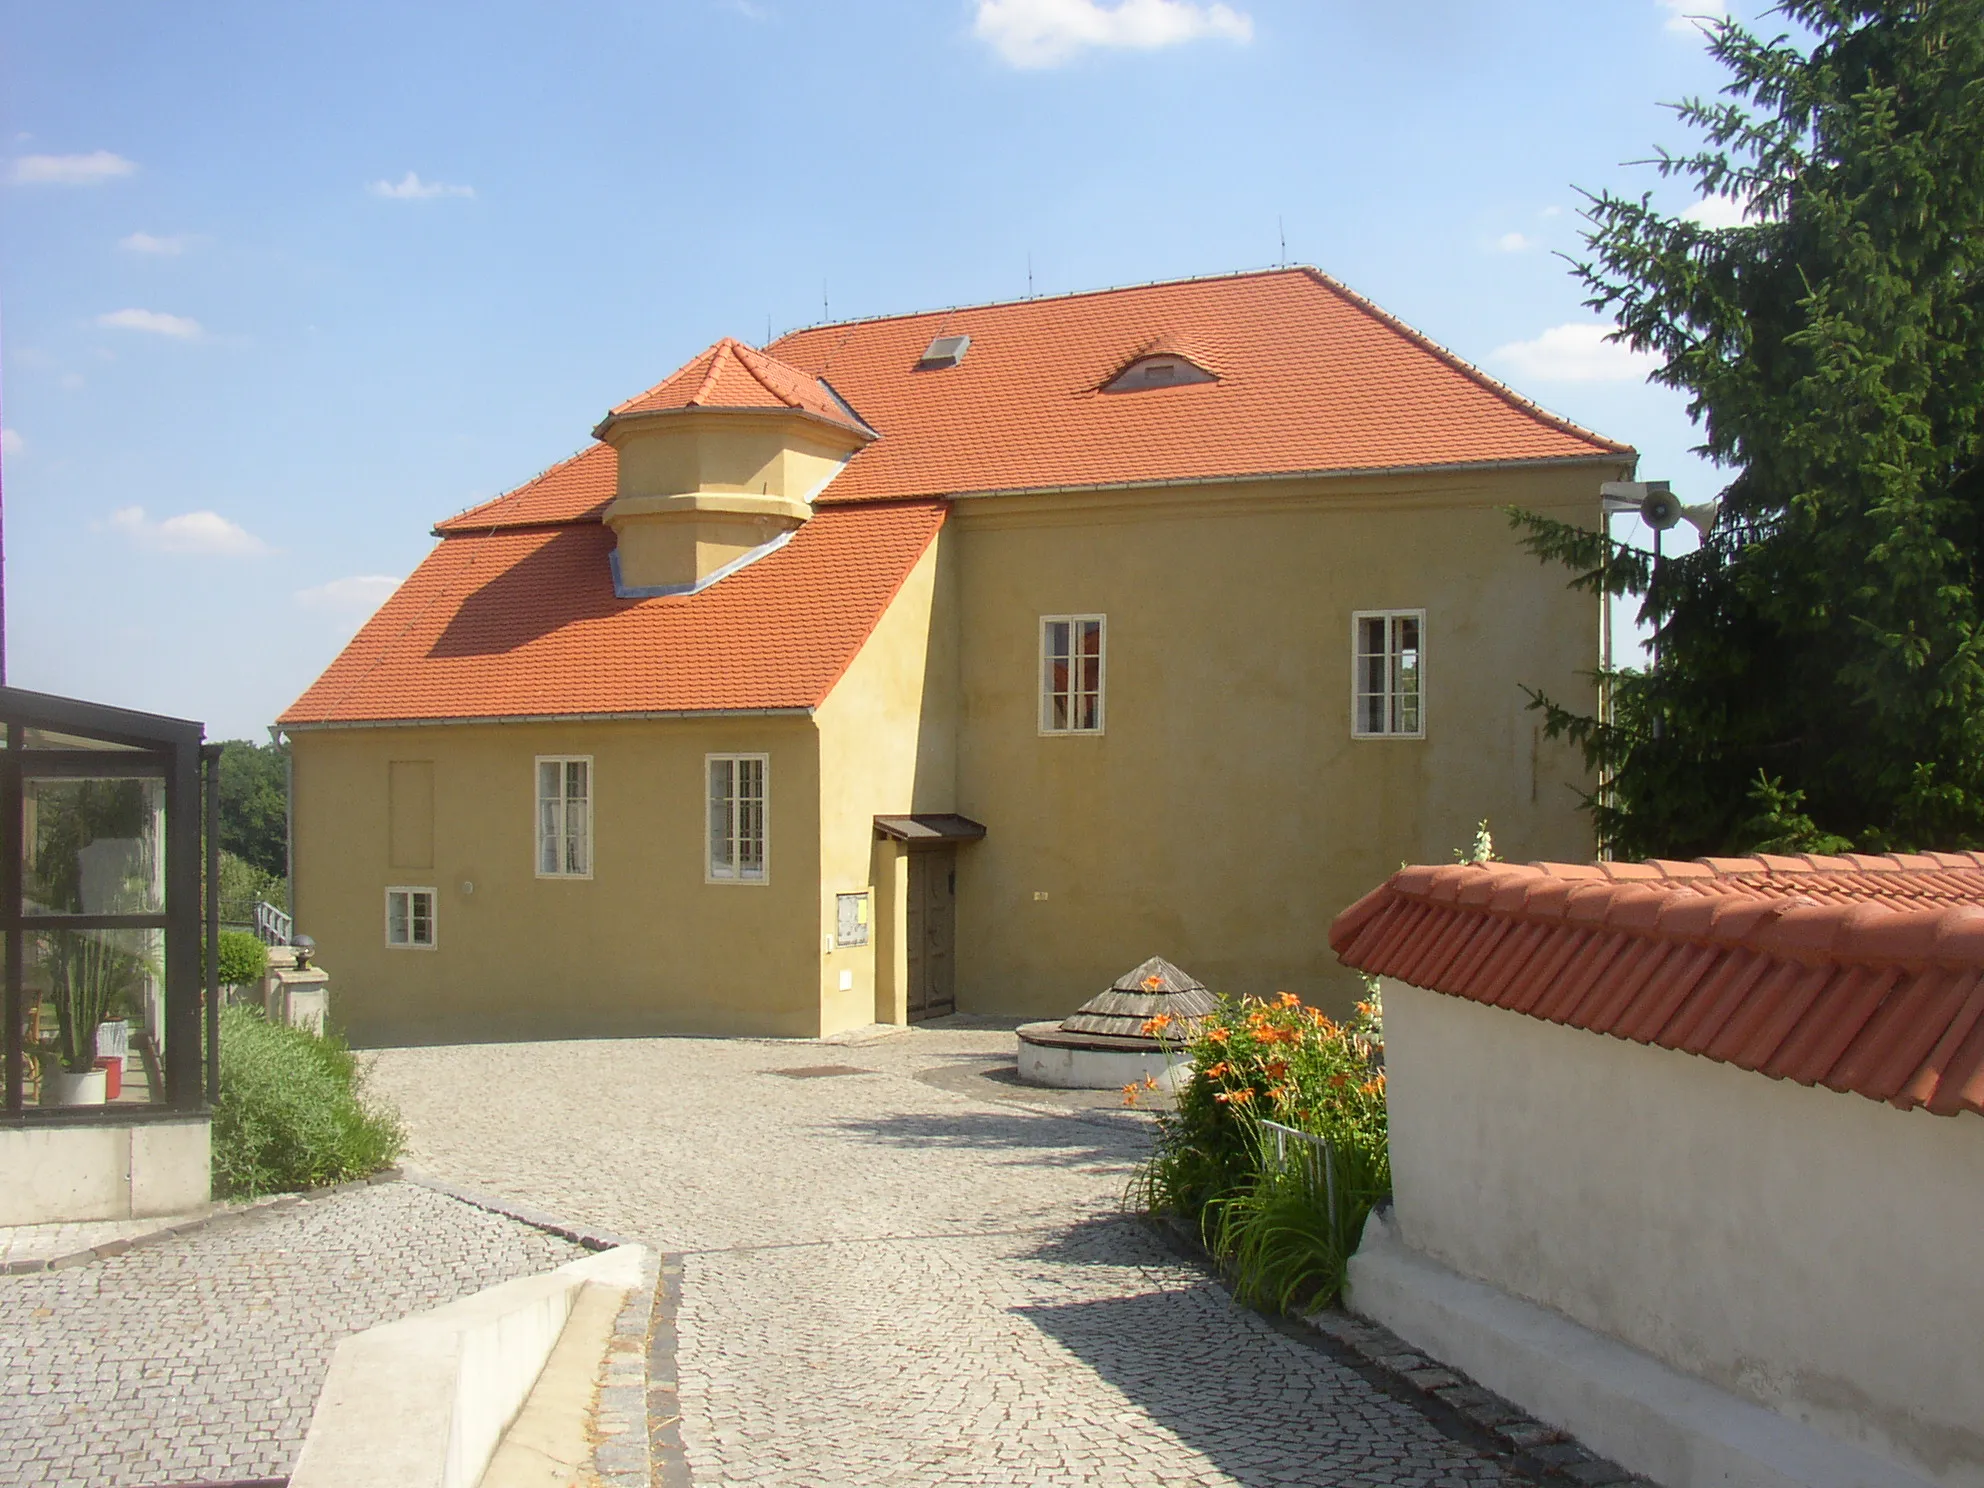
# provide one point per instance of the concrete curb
(225, 1213)
(1452, 1402)
(640, 1417)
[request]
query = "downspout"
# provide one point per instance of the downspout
(288, 822)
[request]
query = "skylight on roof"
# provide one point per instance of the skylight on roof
(945, 351)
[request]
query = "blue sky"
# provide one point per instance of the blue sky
(281, 285)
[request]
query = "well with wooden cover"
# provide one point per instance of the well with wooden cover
(1103, 1046)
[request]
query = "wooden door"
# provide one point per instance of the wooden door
(931, 931)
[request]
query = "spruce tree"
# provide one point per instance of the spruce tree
(1820, 674)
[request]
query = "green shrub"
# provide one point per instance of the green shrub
(292, 1111)
(1266, 1217)
(243, 958)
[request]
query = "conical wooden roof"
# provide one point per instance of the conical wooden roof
(1140, 995)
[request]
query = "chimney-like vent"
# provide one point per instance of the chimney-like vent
(945, 351)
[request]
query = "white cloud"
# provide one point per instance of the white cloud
(92, 169)
(1514, 242)
(1715, 212)
(1693, 17)
(11, 442)
(1551, 212)
(1046, 33)
(1579, 352)
(411, 188)
(155, 322)
(144, 242)
(355, 598)
(201, 533)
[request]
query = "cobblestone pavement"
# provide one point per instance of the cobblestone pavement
(912, 1275)
(200, 1355)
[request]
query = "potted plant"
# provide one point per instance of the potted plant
(87, 976)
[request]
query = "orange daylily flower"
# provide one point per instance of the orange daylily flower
(1288, 999)
(1276, 1068)
(1217, 1034)
(1235, 1097)
(1153, 982)
(1217, 1070)
(1339, 1080)
(1156, 1024)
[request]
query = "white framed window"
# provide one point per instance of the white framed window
(1072, 672)
(410, 919)
(1388, 666)
(740, 817)
(564, 816)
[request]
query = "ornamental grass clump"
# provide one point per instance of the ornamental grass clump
(292, 1112)
(1281, 1214)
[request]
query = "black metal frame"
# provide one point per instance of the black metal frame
(170, 749)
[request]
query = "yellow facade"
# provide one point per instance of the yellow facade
(1221, 819)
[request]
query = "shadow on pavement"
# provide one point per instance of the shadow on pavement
(1055, 1141)
(1267, 1412)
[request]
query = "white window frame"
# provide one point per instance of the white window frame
(712, 872)
(433, 917)
(1046, 694)
(1392, 694)
(537, 799)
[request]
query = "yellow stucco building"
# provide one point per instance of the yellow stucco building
(952, 661)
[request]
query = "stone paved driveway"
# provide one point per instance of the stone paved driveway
(200, 1356)
(909, 1275)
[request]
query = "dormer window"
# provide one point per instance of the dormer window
(1157, 371)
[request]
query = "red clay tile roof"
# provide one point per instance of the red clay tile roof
(1311, 378)
(1862, 974)
(733, 375)
(573, 490)
(523, 622)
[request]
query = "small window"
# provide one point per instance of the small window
(1157, 371)
(1389, 664)
(739, 820)
(564, 816)
(851, 919)
(410, 919)
(1071, 674)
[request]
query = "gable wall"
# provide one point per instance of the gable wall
(645, 946)
(888, 745)
(1226, 815)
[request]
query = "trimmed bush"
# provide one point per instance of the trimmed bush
(243, 958)
(292, 1112)
(1266, 1215)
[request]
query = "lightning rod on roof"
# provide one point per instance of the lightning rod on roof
(1282, 228)
(1029, 274)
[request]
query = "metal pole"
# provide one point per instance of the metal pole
(10, 898)
(1654, 650)
(210, 758)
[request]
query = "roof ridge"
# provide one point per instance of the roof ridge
(714, 370)
(1072, 294)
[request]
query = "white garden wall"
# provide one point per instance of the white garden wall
(1817, 1253)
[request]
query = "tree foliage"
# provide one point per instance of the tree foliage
(1821, 657)
(254, 804)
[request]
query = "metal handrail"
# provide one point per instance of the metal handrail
(272, 926)
(1317, 1152)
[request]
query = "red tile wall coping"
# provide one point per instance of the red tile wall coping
(1861, 973)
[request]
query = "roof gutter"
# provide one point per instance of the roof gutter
(1628, 458)
(513, 718)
